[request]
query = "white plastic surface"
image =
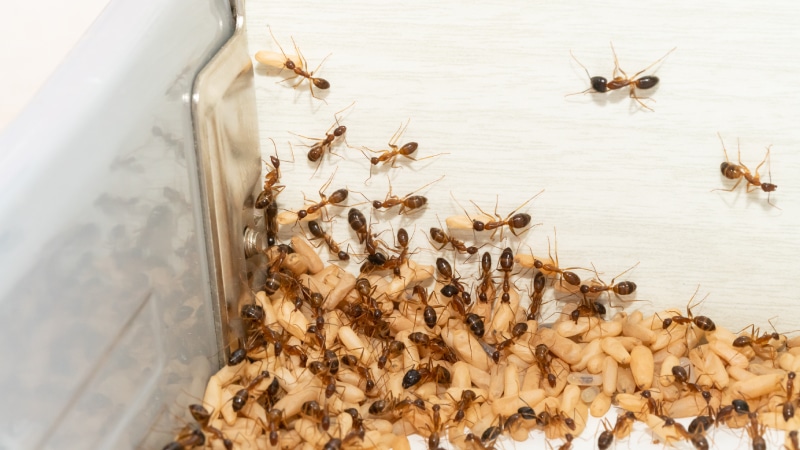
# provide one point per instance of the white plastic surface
(486, 83)
(105, 316)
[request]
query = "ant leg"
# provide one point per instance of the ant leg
(731, 189)
(617, 69)
(651, 65)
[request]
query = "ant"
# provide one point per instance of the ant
(602, 85)
(702, 322)
(312, 410)
(395, 262)
(506, 266)
(202, 416)
(792, 436)
(239, 400)
(434, 438)
(428, 313)
(758, 343)
(427, 372)
(318, 233)
(756, 432)
(297, 68)
(516, 332)
(189, 437)
(337, 197)
(468, 397)
(536, 295)
(475, 324)
(364, 372)
(552, 266)
(740, 172)
(486, 285)
(435, 345)
(408, 203)
(621, 288)
(358, 223)
(274, 421)
(788, 407)
(454, 289)
(395, 407)
(514, 221)
(440, 237)
(271, 186)
(322, 145)
(543, 358)
(391, 350)
(405, 150)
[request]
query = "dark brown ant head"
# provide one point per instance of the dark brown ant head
(768, 187)
(289, 64)
(647, 82)
(340, 130)
(477, 225)
(599, 84)
(302, 214)
(321, 83)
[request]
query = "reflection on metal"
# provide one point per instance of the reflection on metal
(228, 155)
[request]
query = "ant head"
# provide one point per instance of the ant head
(599, 84)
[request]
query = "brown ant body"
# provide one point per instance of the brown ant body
(358, 223)
(740, 172)
(759, 344)
(312, 410)
(425, 373)
(552, 266)
(202, 416)
(756, 432)
(486, 285)
(597, 286)
(394, 406)
(407, 204)
(506, 266)
(406, 150)
(189, 437)
(438, 426)
(702, 322)
(297, 68)
(274, 421)
(536, 295)
(622, 80)
(318, 233)
(271, 186)
(543, 358)
(239, 400)
(468, 397)
(336, 198)
(514, 221)
(440, 237)
(429, 315)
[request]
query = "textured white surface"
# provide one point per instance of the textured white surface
(486, 82)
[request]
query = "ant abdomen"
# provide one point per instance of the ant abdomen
(647, 82)
(323, 84)
(768, 187)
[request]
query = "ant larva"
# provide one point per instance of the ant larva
(298, 67)
(740, 172)
(621, 79)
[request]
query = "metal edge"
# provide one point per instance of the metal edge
(228, 155)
